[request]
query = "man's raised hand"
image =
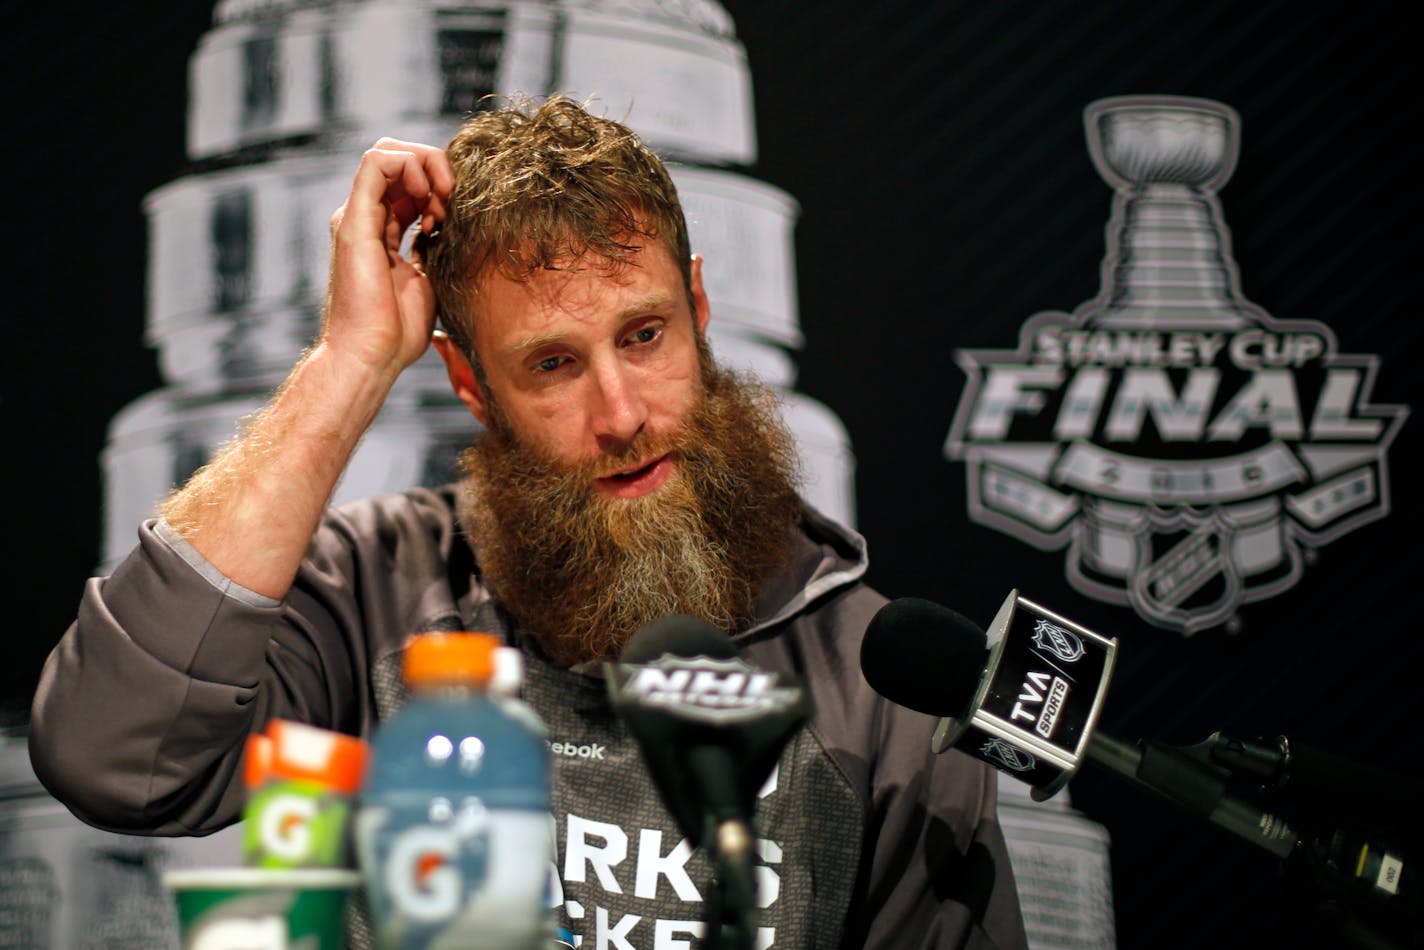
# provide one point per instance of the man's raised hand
(380, 308)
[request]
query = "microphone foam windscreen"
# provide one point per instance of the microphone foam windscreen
(679, 635)
(924, 656)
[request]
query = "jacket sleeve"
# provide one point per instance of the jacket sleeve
(937, 866)
(934, 867)
(139, 720)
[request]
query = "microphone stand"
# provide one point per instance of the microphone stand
(1324, 862)
(731, 898)
(729, 843)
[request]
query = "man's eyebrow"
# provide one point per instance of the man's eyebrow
(653, 303)
(534, 342)
(650, 304)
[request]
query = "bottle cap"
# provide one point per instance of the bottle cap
(294, 750)
(455, 658)
(508, 672)
(257, 762)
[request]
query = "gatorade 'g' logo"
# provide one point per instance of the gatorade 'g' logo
(423, 874)
(430, 868)
(285, 826)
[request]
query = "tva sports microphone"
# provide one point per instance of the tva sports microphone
(711, 728)
(1026, 697)
(1031, 706)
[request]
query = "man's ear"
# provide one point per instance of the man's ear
(702, 309)
(462, 376)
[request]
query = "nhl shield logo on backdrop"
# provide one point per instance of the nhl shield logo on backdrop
(1183, 446)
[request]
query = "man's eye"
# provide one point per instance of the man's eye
(548, 364)
(645, 335)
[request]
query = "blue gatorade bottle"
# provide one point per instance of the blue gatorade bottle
(452, 826)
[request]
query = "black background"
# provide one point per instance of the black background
(947, 194)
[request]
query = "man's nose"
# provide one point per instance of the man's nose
(619, 412)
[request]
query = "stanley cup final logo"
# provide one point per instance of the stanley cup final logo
(1185, 447)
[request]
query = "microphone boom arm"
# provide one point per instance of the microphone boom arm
(1193, 786)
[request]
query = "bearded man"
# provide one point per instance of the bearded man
(619, 476)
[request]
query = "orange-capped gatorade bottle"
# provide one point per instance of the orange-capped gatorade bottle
(452, 827)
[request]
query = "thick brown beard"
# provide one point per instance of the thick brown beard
(581, 572)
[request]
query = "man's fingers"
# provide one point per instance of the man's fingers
(437, 178)
(428, 179)
(432, 160)
(407, 179)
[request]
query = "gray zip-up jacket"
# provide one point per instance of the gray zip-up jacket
(866, 839)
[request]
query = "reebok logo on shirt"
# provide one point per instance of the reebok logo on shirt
(592, 750)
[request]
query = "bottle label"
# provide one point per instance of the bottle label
(295, 824)
(436, 869)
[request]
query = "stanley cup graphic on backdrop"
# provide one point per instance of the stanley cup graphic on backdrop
(285, 94)
(1187, 448)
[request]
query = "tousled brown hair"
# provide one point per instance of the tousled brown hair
(541, 186)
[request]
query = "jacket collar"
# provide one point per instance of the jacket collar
(828, 556)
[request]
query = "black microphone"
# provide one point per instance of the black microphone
(711, 728)
(1031, 703)
(953, 649)
(1026, 697)
(710, 725)
(677, 635)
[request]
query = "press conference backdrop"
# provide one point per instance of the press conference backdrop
(981, 220)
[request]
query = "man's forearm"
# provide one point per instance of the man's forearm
(251, 510)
